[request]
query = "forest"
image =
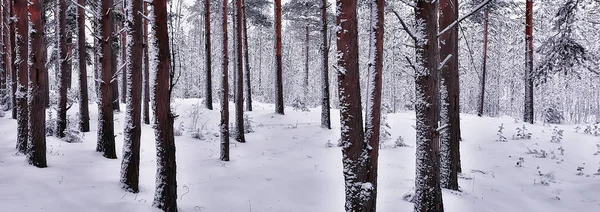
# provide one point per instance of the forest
(299, 105)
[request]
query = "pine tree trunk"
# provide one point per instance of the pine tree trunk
(224, 125)
(207, 55)
(239, 104)
(22, 29)
(146, 104)
(449, 114)
(7, 56)
(306, 48)
(279, 108)
(484, 66)
(165, 197)
(130, 167)
(36, 150)
(14, 67)
(246, 59)
(64, 39)
(106, 128)
(529, 115)
(84, 114)
(373, 107)
(428, 194)
(325, 102)
(114, 64)
(123, 66)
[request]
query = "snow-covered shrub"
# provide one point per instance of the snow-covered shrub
(400, 142)
(520, 162)
(384, 129)
(50, 124)
(298, 104)
(179, 130)
(562, 150)
(592, 130)
(580, 170)
(545, 179)
(557, 135)
(553, 115)
(329, 144)
(577, 128)
(522, 133)
(598, 151)
(248, 124)
(198, 135)
(536, 153)
(72, 133)
(194, 113)
(500, 134)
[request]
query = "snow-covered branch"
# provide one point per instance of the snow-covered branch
(86, 9)
(410, 33)
(443, 63)
(453, 24)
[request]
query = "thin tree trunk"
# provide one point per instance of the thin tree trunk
(325, 102)
(64, 39)
(260, 49)
(449, 138)
(14, 66)
(239, 104)
(130, 167)
(106, 128)
(146, 104)
(3, 52)
(36, 150)
(428, 194)
(6, 34)
(207, 55)
(234, 71)
(246, 59)
(84, 114)
(306, 48)
(123, 46)
(22, 29)
(529, 115)
(484, 66)
(224, 125)
(279, 108)
(165, 197)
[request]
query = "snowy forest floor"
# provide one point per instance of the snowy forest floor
(286, 166)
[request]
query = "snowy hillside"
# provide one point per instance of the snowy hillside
(286, 166)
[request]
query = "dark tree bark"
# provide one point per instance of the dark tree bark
(65, 40)
(224, 125)
(208, 56)
(106, 128)
(325, 102)
(14, 66)
(449, 114)
(279, 108)
(528, 116)
(306, 49)
(36, 150)
(114, 45)
(146, 106)
(123, 46)
(239, 104)
(22, 29)
(84, 112)
(130, 167)
(246, 59)
(428, 194)
(373, 107)
(7, 56)
(484, 66)
(165, 197)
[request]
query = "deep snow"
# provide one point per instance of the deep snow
(286, 166)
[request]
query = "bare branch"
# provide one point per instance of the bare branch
(453, 24)
(410, 33)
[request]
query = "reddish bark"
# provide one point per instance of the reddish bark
(146, 103)
(246, 59)
(279, 108)
(224, 124)
(84, 114)
(106, 135)
(239, 104)
(208, 57)
(325, 101)
(529, 115)
(65, 40)
(22, 29)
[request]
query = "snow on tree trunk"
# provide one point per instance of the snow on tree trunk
(64, 40)
(428, 194)
(279, 108)
(208, 58)
(165, 196)
(130, 166)
(246, 59)
(306, 69)
(123, 48)
(325, 102)
(36, 148)
(239, 104)
(146, 103)
(528, 116)
(224, 124)
(14, 58)
(22, 44)
(8, 56)
(84, 114)
(484, 65)
(449, 113)
(106, 135)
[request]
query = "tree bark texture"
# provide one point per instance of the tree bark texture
(279, 108)
(106, 128)
(22, 44)
(224, 124)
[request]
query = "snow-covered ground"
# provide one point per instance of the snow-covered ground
(286, 166)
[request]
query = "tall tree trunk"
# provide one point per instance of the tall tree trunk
(239, 104)
(373, 107)
(130, 167)
(449, 113)
(325, 102)
(14, 58)
(84, 114)
(260, 49)
(484, 66)
(279, 108)
(165, 197)
(114, 63)
(22, 44)
(428, 194)
(106, 128)
(146, 104)
(234, 71)
(123, 66)
(36, 150)
(64, 39)
(7, 56)
(224, 125)
(207, 55)
(246, 59)
(306, 48)
(528, 116)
